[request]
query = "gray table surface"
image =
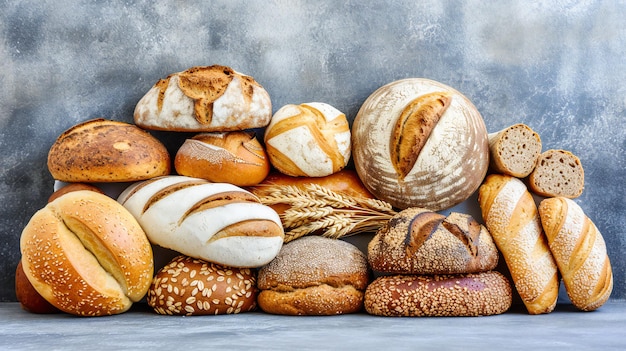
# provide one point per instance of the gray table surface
(140, 329)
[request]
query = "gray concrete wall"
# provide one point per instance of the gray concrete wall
(558, 66)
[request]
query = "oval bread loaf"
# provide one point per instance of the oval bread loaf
(420, 143)
(217, 222)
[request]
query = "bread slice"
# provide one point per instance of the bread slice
(557, 173)
(514, 150)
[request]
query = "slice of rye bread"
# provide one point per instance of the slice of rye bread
(514, 150)
(557, 173)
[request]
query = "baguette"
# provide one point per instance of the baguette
(580, 252)
(510, 215)
(514, 150)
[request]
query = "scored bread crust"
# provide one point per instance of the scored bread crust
(558, 173)
(510, 214)
(580, 252)
(86, 255)
(514, 150)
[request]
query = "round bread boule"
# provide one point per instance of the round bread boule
(314, 275)
(193, 287)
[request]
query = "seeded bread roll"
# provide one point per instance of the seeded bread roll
(580, 252)
(510, 214)
(308, 140)
(193, 287)
(419, 241)
(558, 173)
(204, 99)
(229, 157)
(474, 294)
(514, 150)
(314, 275)
(107, 151)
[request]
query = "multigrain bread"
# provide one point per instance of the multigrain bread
(510, 213)
(419, 241)
(580, 252)
(314, 275)
(558, 173)
(514, 150)
(474, 294)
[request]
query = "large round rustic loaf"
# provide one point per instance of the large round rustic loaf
(474, 294)
(204, 99)
(87, 255)
(217, 222)
(420, 143)
(101, 150)
(419, 241)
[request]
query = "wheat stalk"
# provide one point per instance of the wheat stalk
(314, 209)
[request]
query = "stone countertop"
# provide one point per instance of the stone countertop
(140, 329)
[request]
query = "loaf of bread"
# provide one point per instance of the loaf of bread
(558, 173)
(191, 287)
(459, 295)
(314, 275)
(204, 99)
(514, 150)
(510, 214)
(309, 140)
(216, 222)
(420, 143)
(580, 252)
(73, 187)
(107, 151)
(419, 241)
(87, 255)
(228, 157)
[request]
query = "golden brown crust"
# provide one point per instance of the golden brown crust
(107, 151)
(475, 294)
(28, 297)
(510, 214)
(558, 173)
(193, 287)
(232, 157)
(320, 300)
(73, 187)
(419, 241)
(580, 252)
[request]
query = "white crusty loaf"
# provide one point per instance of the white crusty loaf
(216, 222)
(420, 143)
(558, 173)
(204, 99)
(510, 214)
(514, 150)
(579, 251)
(310, 140)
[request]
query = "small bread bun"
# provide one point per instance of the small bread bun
(28, 297)
(418, 241)
(474, 294)
(193, 287)
(73, 187)
(514, 150)
(558, 173)
(86, 255)
(107, 151)
(230, 157)
(314, 275)
(308, 140)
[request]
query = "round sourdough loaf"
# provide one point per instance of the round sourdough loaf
(420, 143)
(101, 150)
(310, 139)
(204, 99)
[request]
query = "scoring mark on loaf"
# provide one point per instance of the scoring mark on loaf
(421, 228)
(466, 229)
(169, 190)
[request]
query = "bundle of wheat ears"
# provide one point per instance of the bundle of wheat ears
(314, 209)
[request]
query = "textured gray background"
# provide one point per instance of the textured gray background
(558, 66)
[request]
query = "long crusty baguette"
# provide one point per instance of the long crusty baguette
(579, 251)
(510, 214)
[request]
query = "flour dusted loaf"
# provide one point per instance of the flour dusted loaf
(511, 216)
(204, 99)
(514, 150)
(310, 139)
(419, 241)
(458, 295)
(101, 150)
(216, 222)
(580, 252)
(420, 143)
(314, 275)
(558, 173)
(87, 255)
